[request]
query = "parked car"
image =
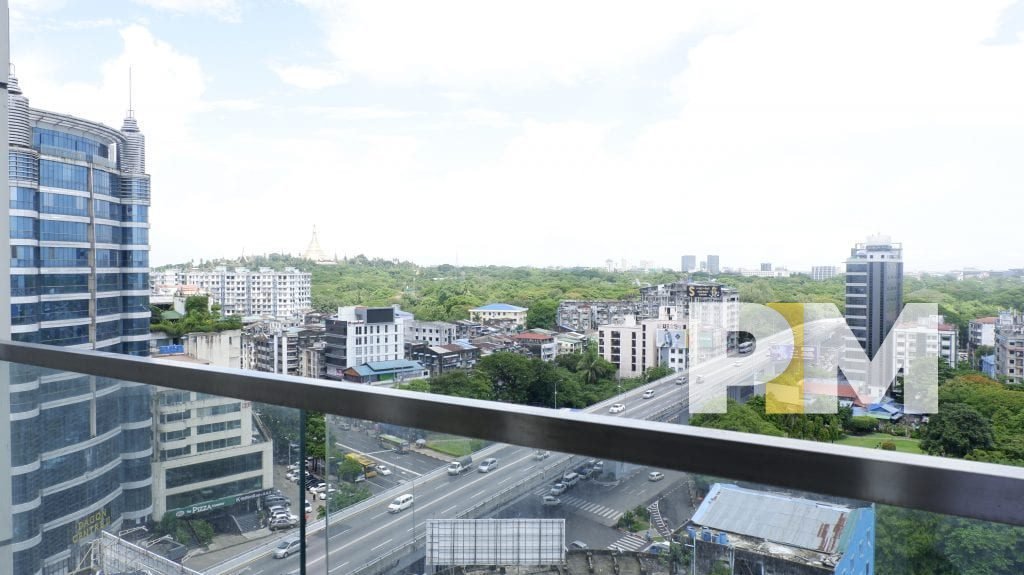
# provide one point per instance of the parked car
(327, 493)
(551, 501)
(400, 503)
(578, 544)
(655, 476)
(649, 394)
(617, 408)
(286, 547)
(558, 489)
(283, 522)
(308, 508)
(383, 470)
(315, 488)
(487, 465)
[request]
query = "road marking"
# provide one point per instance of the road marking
(339, 567)
(450, 508)
(388, 463)
(504, 480)
(382, 544)
(474, 496)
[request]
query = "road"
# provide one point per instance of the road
(362, 533)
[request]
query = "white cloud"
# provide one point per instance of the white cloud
(308, 77)
(357, 113)
(465, 43)
(226, 10)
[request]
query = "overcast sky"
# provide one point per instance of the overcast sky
(556, 133)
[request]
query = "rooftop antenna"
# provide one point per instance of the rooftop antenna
(131, 111)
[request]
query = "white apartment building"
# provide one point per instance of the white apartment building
(357, 335)
(209, 451)
(634, 347)
(432, 332)
(917, 339)
(821, 273)
(499, 313)
(240, 291)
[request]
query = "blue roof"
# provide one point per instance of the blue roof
(499, 307)
(392, 366)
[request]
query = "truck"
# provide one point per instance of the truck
(460, 465)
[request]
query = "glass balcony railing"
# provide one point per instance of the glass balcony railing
(218, 478)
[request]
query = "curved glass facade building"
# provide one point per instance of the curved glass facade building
(79, 234)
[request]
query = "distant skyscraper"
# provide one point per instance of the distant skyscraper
(766, 267)
(79, 458)
(689, 264)
(819, 273)
(713, 265)
(874, 290)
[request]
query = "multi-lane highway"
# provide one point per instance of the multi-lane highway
(362, 533)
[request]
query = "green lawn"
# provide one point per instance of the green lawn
(902, 443)
(455, 446)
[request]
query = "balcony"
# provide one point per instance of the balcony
(686, 481)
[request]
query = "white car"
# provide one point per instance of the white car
(326, 493)
(383, 470)
(649, 394)
(655, 476)
(400, 503)
(617, 408)
(551, 501)
(737, 364)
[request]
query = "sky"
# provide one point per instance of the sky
(555, 134)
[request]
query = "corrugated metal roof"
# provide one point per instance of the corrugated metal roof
(499, 307)
(774, 517)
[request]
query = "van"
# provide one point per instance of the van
(460, 465)
(570, 479)
(401, 503)
(286, 547)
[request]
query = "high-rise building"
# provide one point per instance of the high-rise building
(689, 264)
(766, 266)
(874, 290)
(80, 445)
(820, 273)
(874, 294)
(713, 266)
(359, 335)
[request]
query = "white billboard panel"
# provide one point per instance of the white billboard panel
(495, 541)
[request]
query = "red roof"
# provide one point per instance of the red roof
(985, 320)
(843, 390)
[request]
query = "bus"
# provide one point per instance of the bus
(369, 466)
(392, 442)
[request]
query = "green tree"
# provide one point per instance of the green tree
(542, 314)
(738, 417)
(593, 367)
(348, 470)
(957, 430)
(316, 435)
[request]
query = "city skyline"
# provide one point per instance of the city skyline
(334, 119)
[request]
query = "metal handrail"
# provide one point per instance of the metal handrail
(942, 485)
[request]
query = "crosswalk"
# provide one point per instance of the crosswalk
(629, 542)
(584, 505)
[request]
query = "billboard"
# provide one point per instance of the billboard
(495, 541)
(703, 291)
